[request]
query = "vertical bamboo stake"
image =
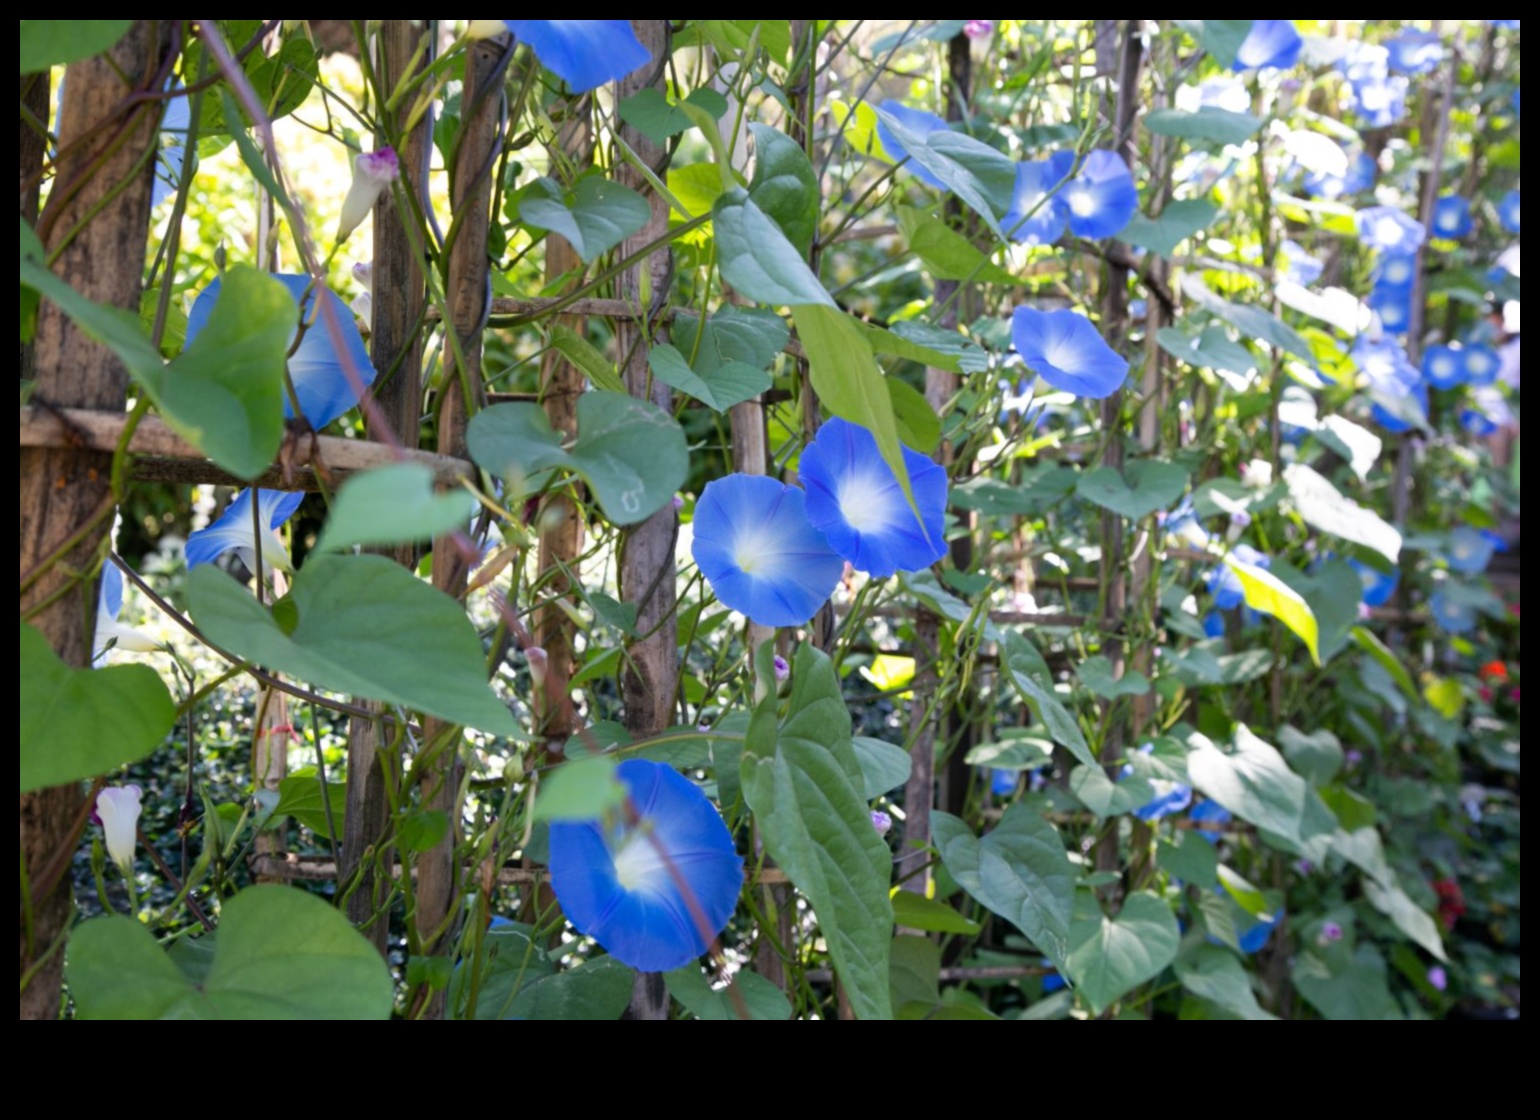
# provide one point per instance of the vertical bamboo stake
(561, 528)
(647, 564)
(395, 341)
(1115, 327)
(271, 734)
(67, 491)
(940, 388)
(468, 290)
(34, 144)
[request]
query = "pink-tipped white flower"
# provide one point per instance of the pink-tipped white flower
(979, 28)
(119, 808)
(373, 173)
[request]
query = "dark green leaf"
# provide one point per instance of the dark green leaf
(1256, 785)
(750, 335)
(1213, 349)
(1370, 643)
(962, 353)
(281, 954)
(911, 911)
(884, 767)
(1015, 751)
(392, 505)
(300, 797)
(595, 990)
(595, 217)
(1176, 224)
(785, 186)
(803, 782)
(650, 113)
(749, 996)
(83, 723)
(1110, 958)
(915, 975)
(1020, 871)
(57, 42)
(1358, 990)
(1318, 758)
(979, 175)
(423, 830)
(367, 627)
(1144, 487)
(758, 260)
(1099, 676)
(1215, 975)
(631, 452)
(1218, 125)
(582, 353)
(1039, 489)
(1192, 859)
(1027, 672)
(947, 254)
(919, 427)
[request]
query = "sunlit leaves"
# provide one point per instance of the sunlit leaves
(1267, 594)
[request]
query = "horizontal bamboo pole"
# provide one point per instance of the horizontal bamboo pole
(163, 456)
(323, 869)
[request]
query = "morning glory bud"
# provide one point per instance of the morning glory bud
(373, 173)
(782, 669)
(979, 28)
(118, 810)
(539, 662)
(881, 822)
(1438, 978)
(1331, 933)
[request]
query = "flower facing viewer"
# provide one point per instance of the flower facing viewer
(656, 884)
(1065, 349)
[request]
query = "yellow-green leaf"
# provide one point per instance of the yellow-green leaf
(1267, 594)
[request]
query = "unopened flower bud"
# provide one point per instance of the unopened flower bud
(882, 822)
(539, 662)
(782, 669)
(979, 28)
(118, 810)
(373, 173)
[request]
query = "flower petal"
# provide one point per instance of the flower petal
(1065, 350)
(584, 53)
(1272, 43)
(1036, 217)
(1102, 199)
(915, 120)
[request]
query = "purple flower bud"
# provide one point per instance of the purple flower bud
(363, 272)
(678, 503)
(1305, 867)
(1355, 758)
(1439, 978)
(1241, 519)
(881, 822)
(979, 28)
(1331, 933)
(373, 173)
(782, 669)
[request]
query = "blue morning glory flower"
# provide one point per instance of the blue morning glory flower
(1171, 798)
(1390, 230)
(1272, 44)
(110, 633)
(1183, 524)
(1299, 266)
(1226, 586)
(1508, 211)
(1400, 414)
(1415, 52)
(172, 153)
(1379, 587)
(1443, 367)
(760, 553)
(584, 53)
(1396, 272)
(855, 501)
(1065, 349)
(1254, 938)
(1377, 95)
(1505, 24)
(236, 532)
(1360, 176)
(1385, 367)
(1214, 625)
(317, 368)
(1211, 812)
(1479, 424)
(1482, 365)
(1452, 614)
(1102, 199)
(1394, 307)
(656, 889)
(1003, 783)
(1035, 183)
(1452, 218)
(919, 122)
(1470, 552)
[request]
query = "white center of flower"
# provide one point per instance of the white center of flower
(1449, 220)
(1082, 203)
(1398, 272)
(1479, 364)
(639, 864)
(1387, 232)
(757, 552)
(1062, 355)
(1443, 368)
(866, 501)
(1513, 214)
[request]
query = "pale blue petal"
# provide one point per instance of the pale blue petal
(584, 53)
(1065, 349)
(1451, 614)
(1482, 366)
(279, 505)
(1508, 211)
(110, 604)
(234, 531)
(1211, 812)
(915, 120)
(845, 458)
(1443, 367)
(1361, 173)
(1036, 217)
(1470, 551)
(1394, 307)
(1102, 199)
(1390, 230)
(1378, 587)
(756, 518)
(1415, 52)
(1272, 43)
(1452, 218)
(319, 369)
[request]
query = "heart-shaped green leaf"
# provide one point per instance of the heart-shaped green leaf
(279, 953)
(1257, 785)
(631, 452)
(392, 505)
(1145, 486)
(758, 259)
(365, 627)
(84, 723)
(650, 113)
(1210, 973)
(46, 43)
(1111, 957)
(1097, 674)
(1029, 674)
(1176, 224)
(884, 767)
(749, 996)
(595, 216)
(785, 185)
(732, 383)
(1020, 871)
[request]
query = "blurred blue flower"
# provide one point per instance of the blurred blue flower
(1255, 937)
(919, 122)
(1399, 414)
(1214, 625)
(1054, 982)
(1451, 613)
(1002, 783)
(1299, 266)
(1102, 199)
(1479, 424)
(584, 53)
(110, 633)
(654, 889)
(1470, 551)
(1171, 798)
(1037, 216)
(761, 555)
(1508, 211)
(1211, 812)
(1226, 586)
(1482, 365)
(1391, 231)
(1443, 367)
(1361, 174)
(1396, 272)
(318, 369)
(1065, 349)
(1385, 367)
(855, 500)
(1505, 24)
(1393, 305)
(1272, 43)
(1415, 52)
(1379, 587)
(236, 531)
(1452, 218)
(1183, 524)
(1377, 95)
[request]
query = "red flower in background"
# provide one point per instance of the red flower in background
(1451, 902)
(1494, 671)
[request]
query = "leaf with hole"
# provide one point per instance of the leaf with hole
(77, 724)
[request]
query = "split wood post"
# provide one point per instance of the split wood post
(647, 580)
(67, 491)
(940, 387)
(396, 345)
(1129, 69)
(467, 289)
(34, 145)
